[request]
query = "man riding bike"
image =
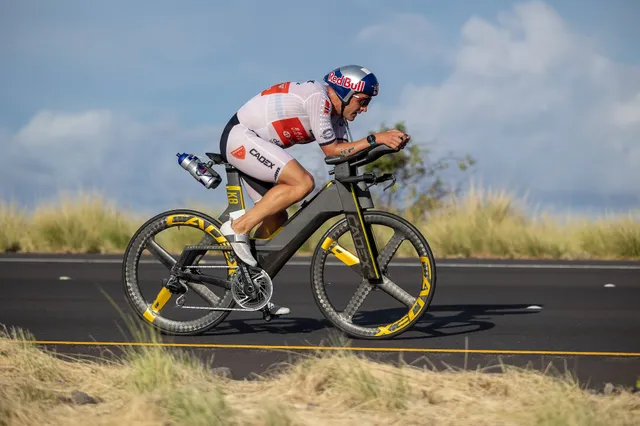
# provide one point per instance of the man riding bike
(255, 139)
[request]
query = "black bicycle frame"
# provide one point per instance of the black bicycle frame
(336, 198)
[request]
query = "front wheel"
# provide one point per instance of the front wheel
(374, 311)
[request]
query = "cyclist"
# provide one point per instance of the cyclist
(257, 136)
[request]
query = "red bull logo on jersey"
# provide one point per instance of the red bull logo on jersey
(346, 82)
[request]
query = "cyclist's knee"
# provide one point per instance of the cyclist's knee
(298, 178)
(302, 186)
(307, 183)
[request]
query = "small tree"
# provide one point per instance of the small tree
(419, 186)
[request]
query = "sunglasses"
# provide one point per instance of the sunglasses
(363, 101)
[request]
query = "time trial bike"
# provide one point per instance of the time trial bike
(352, 258)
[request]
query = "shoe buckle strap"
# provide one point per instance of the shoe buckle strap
(237, 238)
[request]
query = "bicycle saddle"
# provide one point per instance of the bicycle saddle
(216, 158)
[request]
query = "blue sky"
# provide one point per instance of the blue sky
(545, 95)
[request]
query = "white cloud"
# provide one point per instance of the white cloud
(86, 130)
(128, 161)
(627, 114)
(410, 35)
(537, 104)
(530, 40)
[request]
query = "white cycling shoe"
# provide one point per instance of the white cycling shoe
(239, 243)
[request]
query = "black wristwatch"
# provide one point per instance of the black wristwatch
(372, 140)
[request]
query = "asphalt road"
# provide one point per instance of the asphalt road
(581, 317)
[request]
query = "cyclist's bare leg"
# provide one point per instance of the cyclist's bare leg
(271, 224)
(294, 183)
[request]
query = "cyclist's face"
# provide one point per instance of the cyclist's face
(358, 103)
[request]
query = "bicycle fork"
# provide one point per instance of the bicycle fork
(363, 240)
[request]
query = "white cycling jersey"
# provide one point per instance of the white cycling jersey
(293, 113)
(290, 113)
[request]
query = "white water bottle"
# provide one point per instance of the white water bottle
(195, 167)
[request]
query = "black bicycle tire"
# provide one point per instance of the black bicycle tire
(132, 291)
(317, 281)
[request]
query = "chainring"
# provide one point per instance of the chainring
(252, 295)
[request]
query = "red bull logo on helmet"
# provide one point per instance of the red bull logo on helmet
(346, 82)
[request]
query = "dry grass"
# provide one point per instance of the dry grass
(82, 224)
(496, 224)
(152, 386)
(13, 227)
(481, 224)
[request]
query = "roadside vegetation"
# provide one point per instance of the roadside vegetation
(156, 385)
(482, 223)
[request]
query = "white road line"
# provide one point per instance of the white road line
(439, 264)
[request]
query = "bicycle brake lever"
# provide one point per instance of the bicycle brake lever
(393, 182)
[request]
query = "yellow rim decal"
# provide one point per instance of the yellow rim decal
(420, 303)
(353, 192)
(231, 261)
(196, 222)
(345, 256)
(426, 273)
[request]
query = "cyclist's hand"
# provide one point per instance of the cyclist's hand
(393, 139)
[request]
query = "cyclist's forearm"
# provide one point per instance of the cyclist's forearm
(350, 148)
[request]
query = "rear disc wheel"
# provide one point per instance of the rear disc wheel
(143, 275)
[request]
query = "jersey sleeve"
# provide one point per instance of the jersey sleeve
(319, 108)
